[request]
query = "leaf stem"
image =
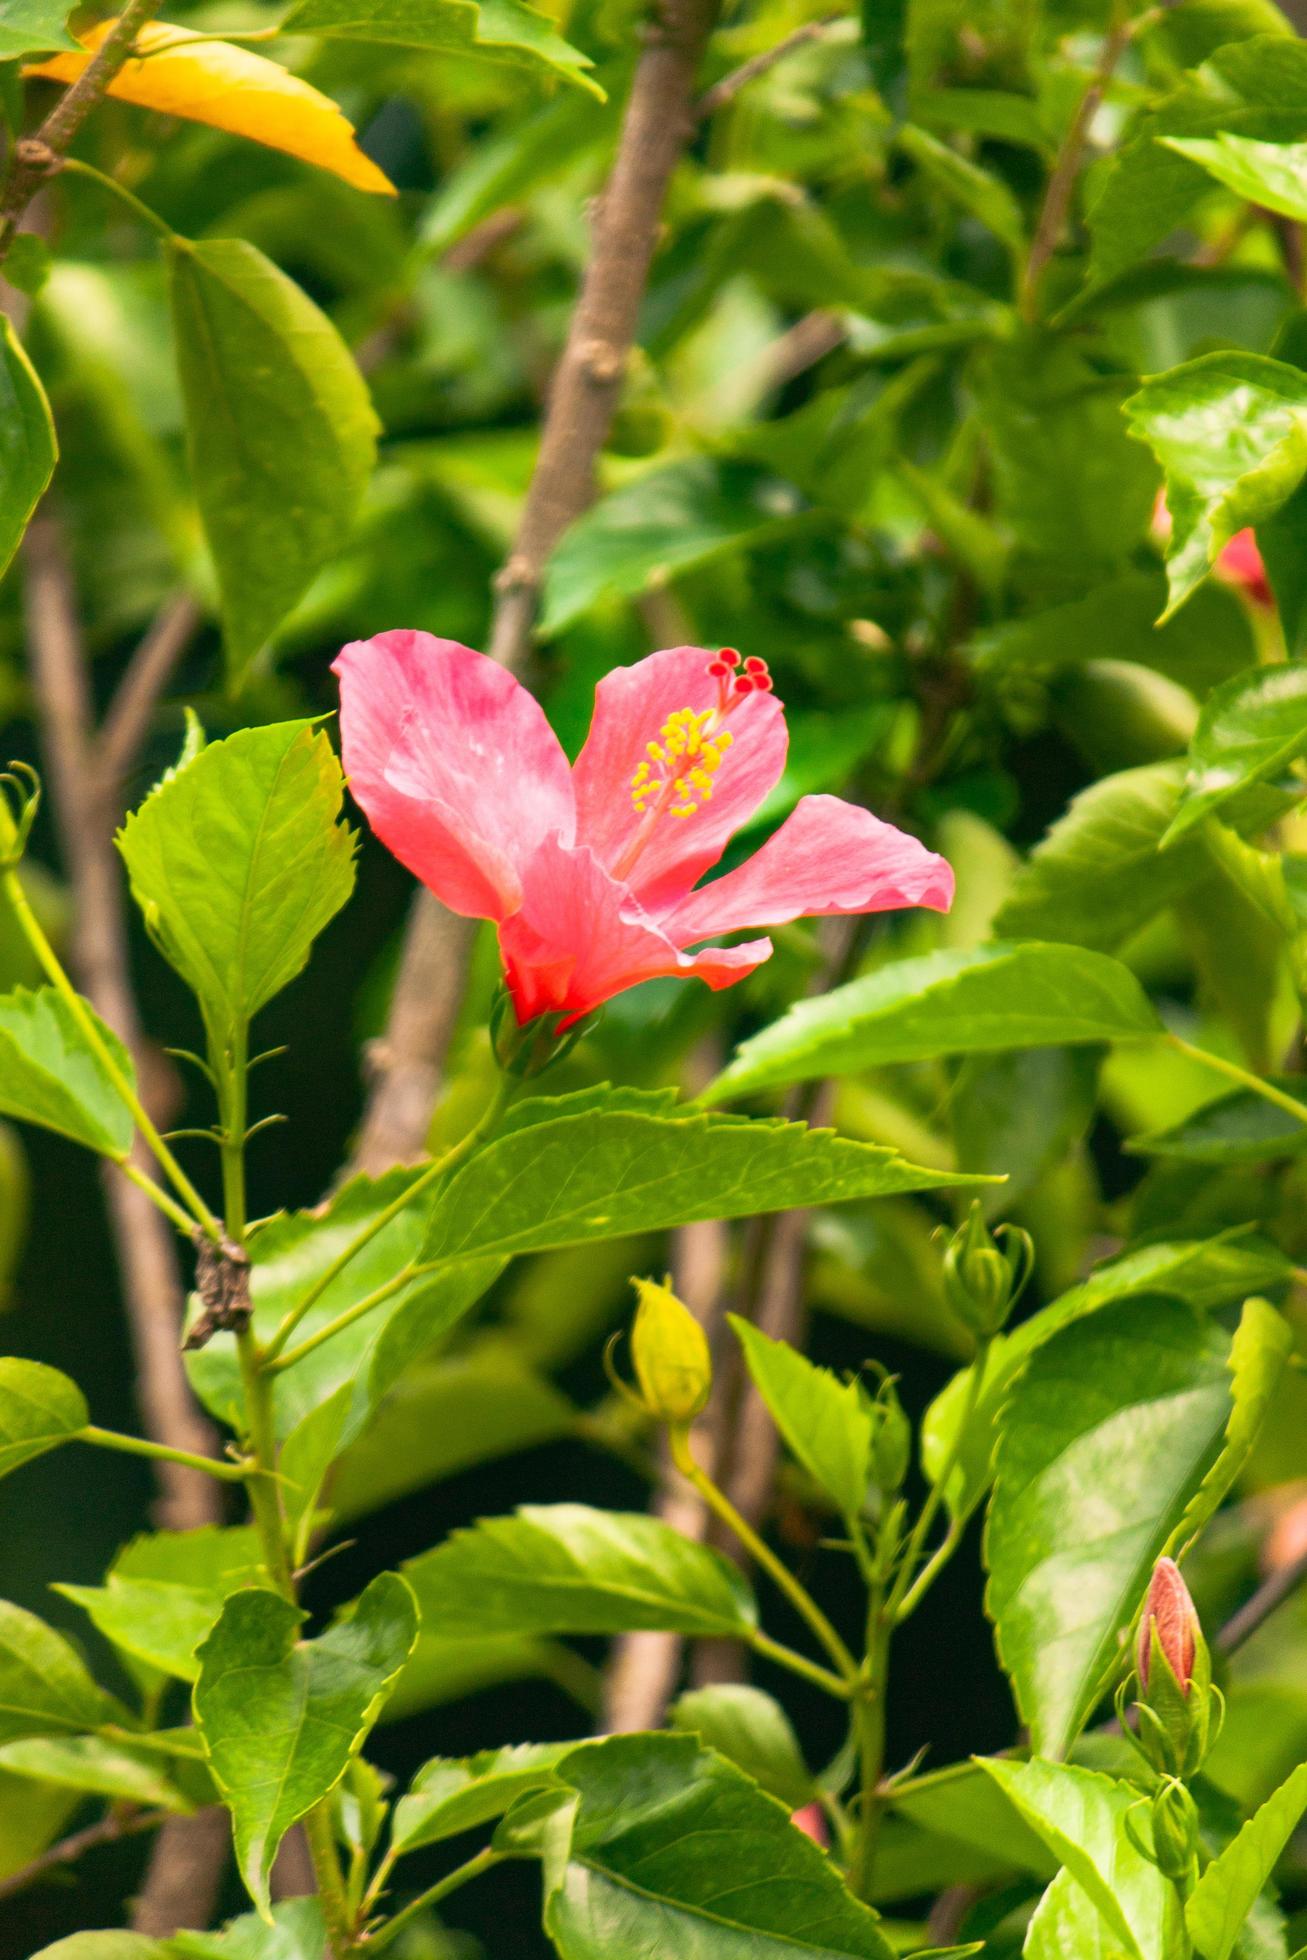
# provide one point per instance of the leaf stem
(761, 1553)
(1244, 1077)
(448, 1161)
(775, 1650)
(330, 1880)
(120, 191)
(110, 1439)
(483, 1861)
(869, 1727)
(911, 1585)
(274, 1363)
(158, 1196)
(89, 1030)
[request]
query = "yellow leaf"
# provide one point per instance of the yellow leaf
(183, 73)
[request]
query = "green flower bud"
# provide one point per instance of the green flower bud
(1175, 1830)
(891, 1440)
(983, 1281)
(669, 1351)
(20, 798)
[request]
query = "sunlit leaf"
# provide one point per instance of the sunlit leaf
(951, 1003)
(565, 1568)
(183, 73)
(1230, 431)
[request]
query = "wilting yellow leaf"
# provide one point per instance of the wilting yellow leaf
(182, 73)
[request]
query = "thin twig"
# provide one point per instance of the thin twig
(659, 122)
(1062, 181)
(35, 158)
(1272, 1593)
(128, 717)
(730, 85)
(108, 1830)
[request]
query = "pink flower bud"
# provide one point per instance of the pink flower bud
(812, 1822)
(1171, 1610)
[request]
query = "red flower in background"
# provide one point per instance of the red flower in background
(1239, 564)
(590, 872)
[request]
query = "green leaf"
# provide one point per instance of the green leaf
(280, 1718)
(281, 431)
(447, 1797)
(101, 1768)
(1205, 1274)
(1272, 175)
(49, 1076)
(1081, 1817)
(28, 450)
(565, 1568)
(1252, 727)
(442, 1671)
(604, 1165)
(39, 1410)
(32, 27)
(165, 1590)
(677, 518)
(306, 1456)
(1255, 87)
(1098, 877)
(827, 1424)
(1260, 1353)
(503, 31)
(1230, 431)
(966, 1002)
(1070, 483)
(1239, 1128)
(292, 1253)
(237, 861)
(1230, 1886)
(105, 1946)
(752, 1731)
(977, 191)
(672, 1850)
(1018, 1114)
(960, 1803)
(1198, 647)
(442, 1418)
(297, 1932)
(1067, 1925)
(44, 1688)
(1106, 1440)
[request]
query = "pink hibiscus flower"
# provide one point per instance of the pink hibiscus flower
(590, 873)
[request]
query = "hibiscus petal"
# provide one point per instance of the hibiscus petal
(631, 706)
(827, 857)
(578, 939)
(454, 765)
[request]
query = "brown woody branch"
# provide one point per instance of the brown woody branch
(108, 1830)
(130, 713)
(36, 158)
(730, 85)
(660, 120)
(186, 1865)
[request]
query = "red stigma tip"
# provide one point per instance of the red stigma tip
(730, 656)
(718, 667)
(743, 684)
(755, 666)
(763, 683)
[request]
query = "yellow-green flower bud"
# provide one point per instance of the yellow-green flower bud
(891, 1441)
(669, 1351)
(1175, 1830)
(982, 1281)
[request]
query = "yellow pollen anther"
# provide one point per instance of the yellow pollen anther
(695, 736)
